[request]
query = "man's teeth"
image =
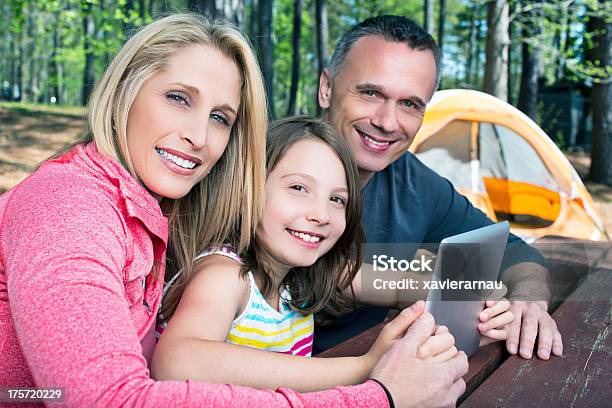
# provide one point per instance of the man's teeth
(305, 237)
(187, 164)
(381, 144)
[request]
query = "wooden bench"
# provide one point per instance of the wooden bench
(582, 307)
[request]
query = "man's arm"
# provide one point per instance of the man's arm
(524, 270)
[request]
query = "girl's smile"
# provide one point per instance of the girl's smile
(306, 198)
(307, 238)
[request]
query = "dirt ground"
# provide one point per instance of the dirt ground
(602, 194)
(29, 136)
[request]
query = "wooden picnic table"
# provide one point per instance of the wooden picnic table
(582, 309)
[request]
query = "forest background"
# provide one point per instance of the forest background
(530, 53)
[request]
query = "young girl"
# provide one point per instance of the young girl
(309, 235)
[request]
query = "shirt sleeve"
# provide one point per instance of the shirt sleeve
(64, 253)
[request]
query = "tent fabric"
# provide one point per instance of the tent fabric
(522, 170)
(490, 153)
(522, 162)
(448, 153)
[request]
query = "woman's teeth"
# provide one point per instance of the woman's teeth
(305, 237)
(381, 144)
(175, 159)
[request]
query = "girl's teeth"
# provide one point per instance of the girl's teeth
(306, 237)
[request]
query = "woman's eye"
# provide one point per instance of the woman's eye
(369, 92)
(297, 187)
(178, 98)
(220, 118)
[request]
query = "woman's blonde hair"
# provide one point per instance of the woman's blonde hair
(227, 205)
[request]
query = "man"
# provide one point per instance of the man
(381, 76)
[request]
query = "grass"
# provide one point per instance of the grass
(62, 110)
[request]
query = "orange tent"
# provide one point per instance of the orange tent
(505, 165)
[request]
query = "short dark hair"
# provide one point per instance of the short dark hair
(391, 28)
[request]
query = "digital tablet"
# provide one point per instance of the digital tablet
(472, 261)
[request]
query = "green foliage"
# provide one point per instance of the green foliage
(563, 39)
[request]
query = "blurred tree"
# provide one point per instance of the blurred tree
(599, 57)
(206, 7)
(265, 47)
(441, 27)
(528, 93)
(295, 67)
(496, 69)
(88, 36)
(428, 15)
(322, 42)
(31, 88)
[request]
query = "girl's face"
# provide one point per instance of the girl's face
(181, 119)
(306, 198)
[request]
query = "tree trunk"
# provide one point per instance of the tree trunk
(322, 40)
(253, 19)
(19, 80)
(233, 10)
(471, 42)
(128, 23)
(142, 10)
(12, 67)
(88, 73)
(205, 7)
(31, 88)
(265, 47)
(496, 69)
(476, 73)
(441, 20)
(428, 16)
(295, 67)
(528, 92)
(600, 27)
(54, 64)
(511, 8)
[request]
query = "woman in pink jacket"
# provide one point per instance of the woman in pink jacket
(174, 163)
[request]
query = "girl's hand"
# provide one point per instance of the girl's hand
(439, 347)
(392, 332)
(494, 321)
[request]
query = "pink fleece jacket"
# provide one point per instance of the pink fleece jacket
(77, 238)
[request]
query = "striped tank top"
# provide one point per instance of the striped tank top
(263, 327)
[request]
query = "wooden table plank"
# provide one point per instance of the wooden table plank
(482, 363)
(356, 346)
(581, 378)
(570, 261)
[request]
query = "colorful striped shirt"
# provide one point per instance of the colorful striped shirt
(263, 327)
(260, 325)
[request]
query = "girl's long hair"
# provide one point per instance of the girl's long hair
(316, 288)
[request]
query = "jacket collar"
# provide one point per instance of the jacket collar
(139, 202)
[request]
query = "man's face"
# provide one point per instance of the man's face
(377, 100)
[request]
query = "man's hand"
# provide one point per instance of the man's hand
(531, 319)
(414, 382)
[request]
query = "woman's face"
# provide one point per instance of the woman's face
(306, 198)
(181, 119)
